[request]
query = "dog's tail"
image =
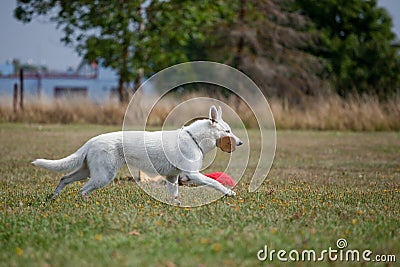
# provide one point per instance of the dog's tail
(71, 162)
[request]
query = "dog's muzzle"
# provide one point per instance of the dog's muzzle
(226, 144)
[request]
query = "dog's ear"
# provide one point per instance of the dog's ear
(220, 112)
(226, 144)
(213, 115)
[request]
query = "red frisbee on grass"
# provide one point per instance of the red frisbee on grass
(221, 177)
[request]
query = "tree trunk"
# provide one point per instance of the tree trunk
(121, 89)
(238, 59)
(123, 75)
(124, 95)
(138, 80)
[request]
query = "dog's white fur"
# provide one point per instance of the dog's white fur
(167, 153)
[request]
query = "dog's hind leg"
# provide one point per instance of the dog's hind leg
(103, 167)
(172, 188)
(77, 175)
(99, 177)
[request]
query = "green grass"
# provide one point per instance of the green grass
(322, 186)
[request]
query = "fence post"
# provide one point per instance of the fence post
(21, 88)
(15, 98)
(39, 84)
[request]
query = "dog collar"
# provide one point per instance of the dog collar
(194, 140)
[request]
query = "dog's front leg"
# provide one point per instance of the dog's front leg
(172, 188)
(201, 179)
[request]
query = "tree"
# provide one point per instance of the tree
(355, 39)
(134, 37)
(270, 43)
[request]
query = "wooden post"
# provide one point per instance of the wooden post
(21, 88)
(39, 84)
(15, 98)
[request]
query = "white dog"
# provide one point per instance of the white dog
(167, 153)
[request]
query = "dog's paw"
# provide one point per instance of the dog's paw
(84, 197)
(174, 201)
(51, 197)
(230, 193)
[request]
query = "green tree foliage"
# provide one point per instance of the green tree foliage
(355, 38)
(130, 36)
(268, 42)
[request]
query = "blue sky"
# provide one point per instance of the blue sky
(39, 41)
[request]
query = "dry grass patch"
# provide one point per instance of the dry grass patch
(333, 113)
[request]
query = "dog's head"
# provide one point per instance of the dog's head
(225, 139)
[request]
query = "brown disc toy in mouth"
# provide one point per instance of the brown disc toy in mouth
(226, 144)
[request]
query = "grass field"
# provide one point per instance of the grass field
(323, 186)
